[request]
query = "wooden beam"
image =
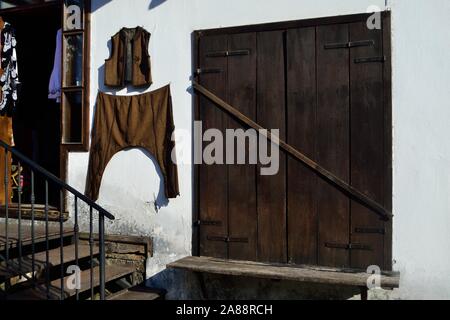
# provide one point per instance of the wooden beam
(322, 172)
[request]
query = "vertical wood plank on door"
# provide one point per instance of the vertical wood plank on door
(213, 186)
(366, 95)
(271, 114)
(387, 128)
(333, 145)
(301, 128)
(242, 178)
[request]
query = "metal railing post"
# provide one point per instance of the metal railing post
(47, 244)
(101, 232)
(6, 182)
(91, 251)
(19, 227)
(33, 235)
(76, 230)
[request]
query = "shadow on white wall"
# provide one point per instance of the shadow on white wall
(97, 4)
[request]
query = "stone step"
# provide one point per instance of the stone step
(138, 293)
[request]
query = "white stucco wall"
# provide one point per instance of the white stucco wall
(421, 107)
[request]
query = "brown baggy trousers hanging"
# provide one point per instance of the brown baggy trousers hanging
(6, 134)
(142, 121)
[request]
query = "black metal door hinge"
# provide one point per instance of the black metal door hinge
(199, 223)
(351, 44)
(218, 54)
(350, 246)
(200, 71)
(370, 230)
(370, 59)
(227, 239)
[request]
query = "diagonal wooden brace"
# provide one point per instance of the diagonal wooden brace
(322, 172)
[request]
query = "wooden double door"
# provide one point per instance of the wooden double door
(325, 84)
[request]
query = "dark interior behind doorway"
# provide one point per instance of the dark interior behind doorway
(36, 119)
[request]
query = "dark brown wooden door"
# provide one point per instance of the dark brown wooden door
(326, 87)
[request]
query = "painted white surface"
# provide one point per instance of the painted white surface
(421, 105)
(421, 123)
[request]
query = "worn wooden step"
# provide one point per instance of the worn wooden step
(26, 232)
(138, 293)
(112, 273)
(40, 259)
(26, 212)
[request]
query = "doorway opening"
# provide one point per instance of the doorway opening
(36, 117)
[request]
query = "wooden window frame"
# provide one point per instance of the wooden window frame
(83, 145)
(65, 149)
(387, 80)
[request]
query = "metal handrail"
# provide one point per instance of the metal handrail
(49, 177)
(56, 180)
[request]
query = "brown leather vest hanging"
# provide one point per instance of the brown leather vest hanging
(130, 61)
